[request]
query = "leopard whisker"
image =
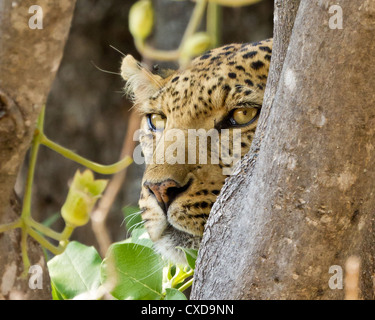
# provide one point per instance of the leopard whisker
(105, 71)
(118, 50)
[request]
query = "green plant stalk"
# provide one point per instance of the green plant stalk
(10, 226)
(67, 232)
(186, 285)
(62, 237)
(173, 55)
(99, 168)
(181, 276)
(26, 222)
(26, 208)
(213, 23)
(43, 229)
(195, 21)
(155, 54)
(25, 257)
(45, 243)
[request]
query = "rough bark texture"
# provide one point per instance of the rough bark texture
(307, 201)
(284, 16)
(29, 60)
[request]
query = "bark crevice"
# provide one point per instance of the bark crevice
(275, 232)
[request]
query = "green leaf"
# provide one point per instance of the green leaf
(191, 256)
(133, 218)
(174, 294)
(55, 293)
(75, 271)
(136, 272)
(140, 236)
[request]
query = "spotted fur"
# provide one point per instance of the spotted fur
(200, 96)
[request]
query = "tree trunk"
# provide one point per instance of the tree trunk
(305, 202)
(29, 59)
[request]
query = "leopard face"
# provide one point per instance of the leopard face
(222, 90)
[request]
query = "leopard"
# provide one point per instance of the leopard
(221, 89)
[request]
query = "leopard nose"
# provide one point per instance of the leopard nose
(166, 192)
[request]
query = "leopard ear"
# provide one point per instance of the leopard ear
(141, 84)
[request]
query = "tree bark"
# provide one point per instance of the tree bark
(29, 59)
(305, 201)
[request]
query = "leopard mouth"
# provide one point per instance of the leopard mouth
(167, 232)
(173, 238)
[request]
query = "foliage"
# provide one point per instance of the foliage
(193, 43)
(131, 270)
(75, 271)
(83, 194)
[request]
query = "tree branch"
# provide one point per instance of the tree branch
(29, 59)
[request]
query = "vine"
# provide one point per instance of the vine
(193, 43)
(30, 227)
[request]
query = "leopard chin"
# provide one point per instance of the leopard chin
(173, 238)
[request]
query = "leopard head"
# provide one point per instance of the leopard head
(220, 93)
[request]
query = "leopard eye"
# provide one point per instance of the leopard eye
(156, 122)
(244, 116)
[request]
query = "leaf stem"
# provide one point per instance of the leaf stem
(26, 208)
(25, 257)
(186, 285)
(173, 55)
(28, 225)
(99, 168)
(45, 243)
(213, 23)
(195, 21)
(10, 226)
(67, 232)
(181, 276)
(43, 229)
(156, 54)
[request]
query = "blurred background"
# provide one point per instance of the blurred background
(86, 109)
